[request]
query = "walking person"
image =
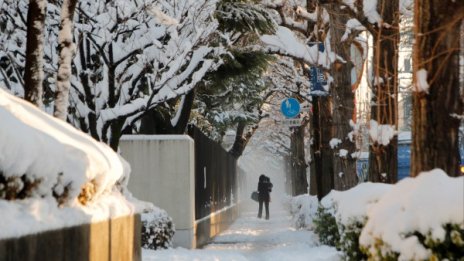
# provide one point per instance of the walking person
(264, 190)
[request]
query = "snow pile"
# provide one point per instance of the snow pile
(303, 209)
(424, 204)
(381, 133)
(52, 175)
(352, 205)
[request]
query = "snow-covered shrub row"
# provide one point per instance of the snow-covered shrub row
(41, 156)
(302, 209)
(157, 229)
(348, 210)
(419, 218)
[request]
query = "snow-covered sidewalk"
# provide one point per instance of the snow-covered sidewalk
(250, 238)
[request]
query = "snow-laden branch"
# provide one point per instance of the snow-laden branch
(285, 42)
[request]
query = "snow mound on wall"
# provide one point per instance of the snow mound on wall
(47, 149)
(61, 163)
(422, 204)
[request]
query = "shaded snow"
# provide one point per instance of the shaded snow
(250, 238)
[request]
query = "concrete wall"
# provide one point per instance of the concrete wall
(115, 239)
(163, 173)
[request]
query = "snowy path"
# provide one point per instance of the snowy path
(250, 238)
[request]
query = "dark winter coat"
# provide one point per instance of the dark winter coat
(264, 188)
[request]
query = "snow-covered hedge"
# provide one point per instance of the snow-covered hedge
(41, 156)
(342, 215)
(157, 229)
(54, 176)
(419, 218)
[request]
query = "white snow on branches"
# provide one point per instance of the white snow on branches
(161, 17)
(352, 25)
(381, 133)
(285, 42)
(421, 81)
(334, 142)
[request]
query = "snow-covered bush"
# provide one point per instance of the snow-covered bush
(303, 209)
(349, 241)
(325, 226)
(345, 213)
(420, 218)
(157, 229)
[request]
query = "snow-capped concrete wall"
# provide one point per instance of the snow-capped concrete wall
(163, 172)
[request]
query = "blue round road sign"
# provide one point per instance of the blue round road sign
(290, 107)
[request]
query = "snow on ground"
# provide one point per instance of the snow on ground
(250, 238)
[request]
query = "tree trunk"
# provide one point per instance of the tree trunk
(383, 159)
(436, 61)
(116, 132)
(67, 51)
(184, 113)
(288, 175)
(158, 120)
(33, 71)
(345, 176)
(239, 144)
(298, 161)
(322, 127)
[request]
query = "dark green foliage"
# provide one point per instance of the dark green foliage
(241, 63)
(237, 82)
(240, 16)
(326, 227)
(452, 248)
(157, 230)
(349, 241)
